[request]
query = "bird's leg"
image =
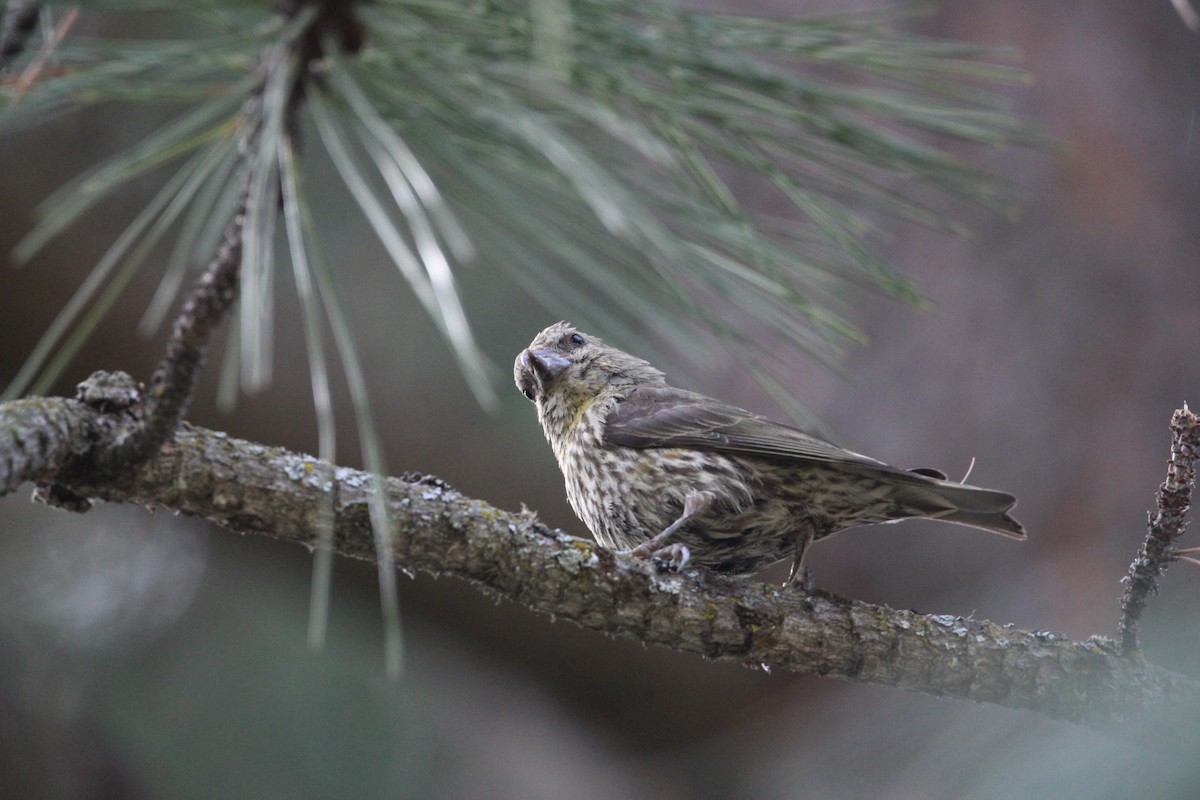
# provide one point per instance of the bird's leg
(802, 538)
(674, 557)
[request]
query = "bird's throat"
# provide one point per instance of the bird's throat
(579, 412)
(562, 422)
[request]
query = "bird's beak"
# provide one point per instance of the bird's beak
(545, 366)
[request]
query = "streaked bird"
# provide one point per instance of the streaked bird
(682, 478)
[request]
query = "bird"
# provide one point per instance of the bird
(680, 478)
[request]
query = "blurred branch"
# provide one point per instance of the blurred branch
(1166, 525)
(20, 19)
(252, 489)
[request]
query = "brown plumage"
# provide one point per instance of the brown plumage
(680, 477)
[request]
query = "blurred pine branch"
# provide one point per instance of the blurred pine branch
(585, 147)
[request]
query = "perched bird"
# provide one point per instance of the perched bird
(677, 476)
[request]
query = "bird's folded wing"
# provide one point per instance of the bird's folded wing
(669, 417)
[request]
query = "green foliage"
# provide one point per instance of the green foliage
(592, 149)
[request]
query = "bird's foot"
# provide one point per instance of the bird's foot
(801, 576)
(802, 579)
(672, 558)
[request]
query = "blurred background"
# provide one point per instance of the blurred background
(146, 655)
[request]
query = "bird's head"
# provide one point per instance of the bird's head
(565, 371)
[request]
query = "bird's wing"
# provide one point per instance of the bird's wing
(668, 417)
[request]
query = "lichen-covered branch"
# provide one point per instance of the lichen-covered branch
(253, 489)
(1166, 523)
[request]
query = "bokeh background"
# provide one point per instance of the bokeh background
(146, 655)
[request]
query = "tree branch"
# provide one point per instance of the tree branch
(1165, 525)
(253, 489)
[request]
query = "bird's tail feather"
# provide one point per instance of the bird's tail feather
(945, 500)
(980, 508)
(996, 522)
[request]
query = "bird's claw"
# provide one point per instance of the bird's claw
(672, 558)
(802, 579)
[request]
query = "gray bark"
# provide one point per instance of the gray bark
(254, 489)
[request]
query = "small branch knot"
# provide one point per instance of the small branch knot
(109, 392)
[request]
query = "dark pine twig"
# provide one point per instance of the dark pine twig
(174, 382)
(144, 423)
(1165, 524)
(20, 20)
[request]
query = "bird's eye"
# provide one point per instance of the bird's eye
(576, 340)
